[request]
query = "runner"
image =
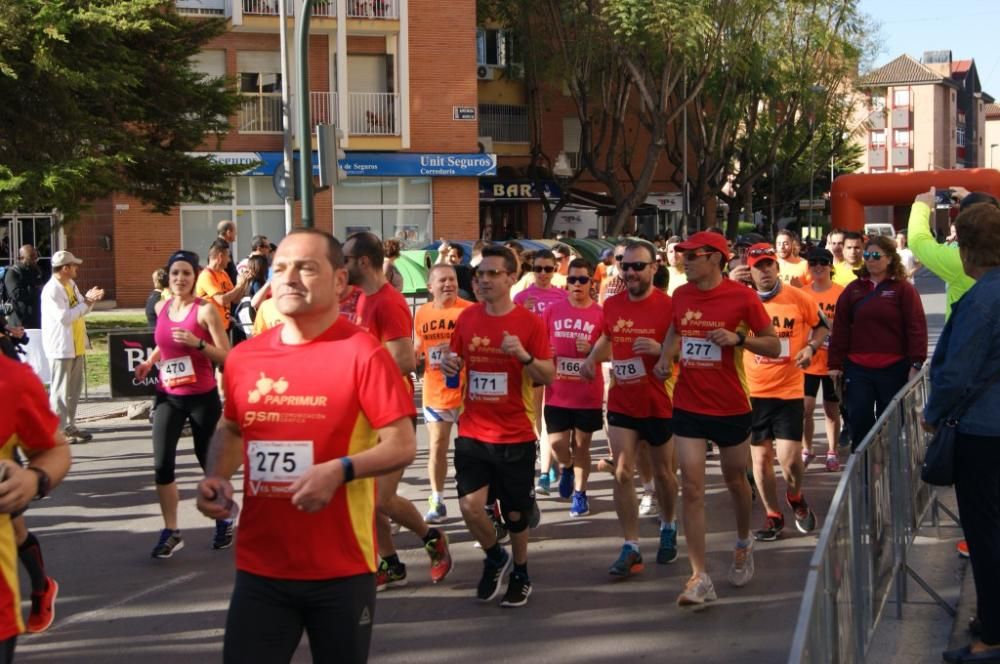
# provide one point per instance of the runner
(189, 340)
(835, 245)
(711, 318)
(825, 294)
(844, 272)
(615, 282)
(383, 312)
(675, 265)
(639, 409)
(574, 407)
(506, 351)
(776, 392)
(536, 298)
(314, 411)
(215, 285)
(434, 324)
(792, 269)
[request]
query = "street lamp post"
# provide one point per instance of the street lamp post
(305, 135)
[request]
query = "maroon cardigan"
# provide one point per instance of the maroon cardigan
(892, 321)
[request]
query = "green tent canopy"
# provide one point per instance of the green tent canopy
(414, 270)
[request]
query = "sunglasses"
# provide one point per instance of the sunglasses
(757, 253)
(620, 257)
(819, 261)
(872, 255)
(547, 269)
(691, 255)
(491, 273)
(635, 266)
(577, 280)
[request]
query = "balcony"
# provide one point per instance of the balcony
(902, 118)
(323, 108)
(876, 157)
(202, 7)
(373, 9)
(363, 9)
(371, 113)
(902, 157)
(321, 8)
(504, 123)
(260, 114)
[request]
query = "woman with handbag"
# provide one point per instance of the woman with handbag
(879, 339)
(965, 395)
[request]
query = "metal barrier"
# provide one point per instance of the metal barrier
(876, 511)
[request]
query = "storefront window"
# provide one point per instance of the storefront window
(253, 205)
(388, 207)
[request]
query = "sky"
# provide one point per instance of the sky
(969, 28)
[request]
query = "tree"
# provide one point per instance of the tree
(100, 96)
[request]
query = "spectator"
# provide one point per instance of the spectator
(964, 370)
(256, 275)
(879, 336)
(259, 246)
(910, 263)
(160, 292)
(226, 231)
(392, 248)
(64, 339)
(23, 282)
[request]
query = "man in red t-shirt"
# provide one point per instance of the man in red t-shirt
(382, 311)
(25, 423)
(315, 410)
(639, 409)
(506, 352)
(712, 317)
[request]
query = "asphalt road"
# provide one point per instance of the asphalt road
(118, 605)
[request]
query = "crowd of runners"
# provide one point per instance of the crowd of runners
(674, 350)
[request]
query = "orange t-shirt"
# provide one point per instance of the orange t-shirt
(797, 267)
(827, 303)
(433, 327)
(793, 314)
(211, 283)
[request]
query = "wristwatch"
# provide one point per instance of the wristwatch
(44, 483)
(201, 344)
(811, 347)
(531, 358)
(742, 338)
(917, 365)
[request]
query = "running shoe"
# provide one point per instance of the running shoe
(391, 577)
(544, 485)
(963, 548)
(628, 563)
(77, 437)
(223, 538)
(807, 457)
(805, 518)
(832, 463)
(773, 525)
(742, 569)
(553, 474)
(503, 537)
(518, 589)
(566, 482)
(43, 607)
(437, 511)
(648, 505)
(170, 541)
(697, 591)
(667, 553)
(580, 505)
(441, 563)
(493, 573)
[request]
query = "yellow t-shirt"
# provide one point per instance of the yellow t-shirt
(267, 316)
(677, 279)
(843, 273)
(79, 327)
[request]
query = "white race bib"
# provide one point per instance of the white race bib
(694, 349)
(435, 354)
(177, 371)
(488, 383)
(630, 369)
(568, 367)
(786, 347)
(273, 465)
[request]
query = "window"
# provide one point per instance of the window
(901, 138)
(388, 207)
(254, 206)
(496, 48)
(878, 102)
(260, 84)
(960, 137)
(878, 139)
(901, 98)
(571, 140)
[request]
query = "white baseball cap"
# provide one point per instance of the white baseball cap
(61, 258)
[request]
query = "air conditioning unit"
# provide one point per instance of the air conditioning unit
(484, 73)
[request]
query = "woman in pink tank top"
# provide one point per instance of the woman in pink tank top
(190, 339)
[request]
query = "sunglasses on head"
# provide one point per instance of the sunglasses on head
(635, 266)
(547, 269)
(818, 261)
(872, 255)
(757, 253)
(577, 280)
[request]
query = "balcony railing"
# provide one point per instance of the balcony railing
(321, 8)
(260, 114)
(504, 123)
(202, 7)
(373, 113)
(323, 108)
(374, 9)
(367, 9)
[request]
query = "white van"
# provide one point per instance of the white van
(872, 230)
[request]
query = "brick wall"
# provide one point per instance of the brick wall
(456, 207)
(143, 241)
(87, 238)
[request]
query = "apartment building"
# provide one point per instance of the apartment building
(395, 75)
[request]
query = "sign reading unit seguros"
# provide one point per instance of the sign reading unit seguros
(376, 164)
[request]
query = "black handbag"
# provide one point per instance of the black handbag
(939, 458)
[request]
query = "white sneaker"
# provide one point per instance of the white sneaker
(742, 569)
(648, 506)
(697, 592)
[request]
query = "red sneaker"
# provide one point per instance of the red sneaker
(43, 607)
(963, 548)
(441, 563)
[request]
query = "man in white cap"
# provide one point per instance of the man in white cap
(64, 339)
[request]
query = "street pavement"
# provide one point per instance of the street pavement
(118, 605)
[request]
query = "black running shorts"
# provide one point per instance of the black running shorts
(812, 388)
(654, 430)
(559, 419)
(723, 430)
(508, 469)
(776, 418)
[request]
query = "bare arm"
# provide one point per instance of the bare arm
(671, 347)
(764, 343)
(260, 295)
(218, 350)
(225, 456)
(542, 372)
(402, 353)
(21, 484)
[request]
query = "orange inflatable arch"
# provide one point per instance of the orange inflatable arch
(851, 193)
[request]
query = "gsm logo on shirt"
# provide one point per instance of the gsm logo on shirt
(622, 324)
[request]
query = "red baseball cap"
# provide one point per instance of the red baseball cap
(761, 251)
(706, 239)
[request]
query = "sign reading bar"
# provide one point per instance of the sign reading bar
(516, 190)
(463, 112)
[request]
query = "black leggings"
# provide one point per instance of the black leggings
(267, 616)
(202, 410)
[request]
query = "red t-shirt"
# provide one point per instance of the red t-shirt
(25, 422)
(349, 303)
(635, 389)
(565, 324)
(499, 403)
(385, 314)
(712, 380)
(303, 405)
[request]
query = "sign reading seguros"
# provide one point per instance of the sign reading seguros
(376, 164)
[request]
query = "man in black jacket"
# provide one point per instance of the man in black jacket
(23, 282)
